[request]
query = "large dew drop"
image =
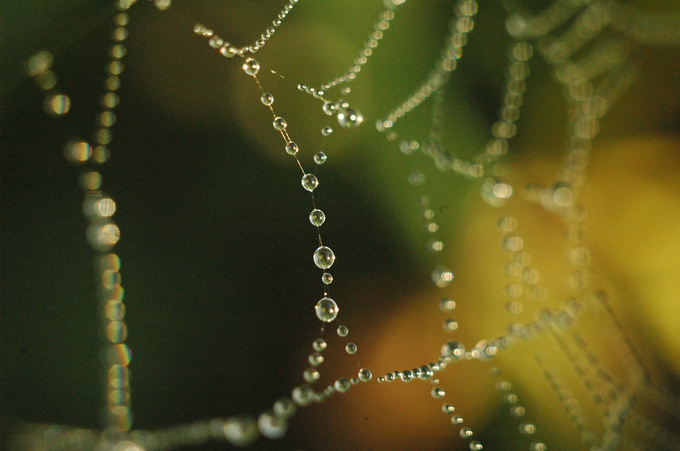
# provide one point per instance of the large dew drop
(324, 257)
(349, 118)
(251, 66)
(317, 217)
(310, 182)
(326, 310)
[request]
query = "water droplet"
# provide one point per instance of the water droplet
(349, 117)
(241, 431)
(453, 349)
(317, 217)
(319, 344)
(426, 372)
(57, 104)
(326, 131)
(475, 446)
(448, 408)
(343, 385)
(351, 348)
(406, 376)
(324, 257)
(389, 377)
(310, 182)
(495, 192)
(466, 432)
(292, 148)
(342, 331)
(442, 276)
(326, 310)
(271, 426)
(284, 408)
(279, 123)
(303, 395)
(527, 429)
(311, 375)
(438, 392)
(267, 98)
(329, 108)
(77, 151)
(251, 67)
(365, 375)
(320, 158)
(327, 278)
(446, 304)
(381, 379)
(315, 359)
(450, 325)
(457, 420)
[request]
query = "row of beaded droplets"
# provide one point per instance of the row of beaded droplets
(102, 233)
(274, 424)
(441, 275)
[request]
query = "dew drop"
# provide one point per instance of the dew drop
(251, 67)
(326, 131)
(284, 408)
(292, 148)
(77, 151)
(351, 348)
(365, 375)
(437, 393)
(327, 278)
(310, 182)
(315, 359)
(349, 118)
(267, 98)
(317, 217)
(453, 349)
(466, 432)
(457, 420)
(450, 325)
(271, 426)
(406, 376)
(326, 310)
(320, 158)
(442, 276)
(302, 395)
(329, 108)
(279, 123)
(446, 304)
(342, 385)
(389, 377)
(448, 408)
(319, 344)
(240, 431)
(311, 375)
(475, 446)
(342, 331)
(57, 105)
(324, 257)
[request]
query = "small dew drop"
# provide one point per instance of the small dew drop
(251, 67)
(466, 432)
(267, 98)
(406, 376)
(279, 124)
(241, 431)
(365, 375)
(349, 118)
(351, 348)
(311, 375)
(442, 276)
(324, 257)
(448, 408)
(327, 278)
(342, 385)
(342, 331)
(284, 408)
(320, 158)
(57, 105)
(475, 446)
(309, 182)
(326, 310)
(457, 420)
(315, 359)
(317, 217)
(319, 344)
(326, 131)
(437, 393)
(329, 108)
(271, 426)
(450, 325)
(292, 148)
(446, 304)
(453, 349)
